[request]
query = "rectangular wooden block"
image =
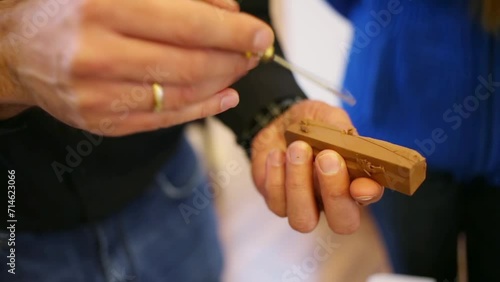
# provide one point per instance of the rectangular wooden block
(393, 166)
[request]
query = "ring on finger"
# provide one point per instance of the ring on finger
(158, 97)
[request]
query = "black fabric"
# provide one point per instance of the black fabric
(266, 84)
(421, 231)
(262, 119)
(109, 174)
(65, 176)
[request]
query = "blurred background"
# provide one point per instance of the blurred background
(258, 245)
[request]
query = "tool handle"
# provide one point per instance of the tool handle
(265, 57)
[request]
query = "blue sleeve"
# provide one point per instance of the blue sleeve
(344, 7)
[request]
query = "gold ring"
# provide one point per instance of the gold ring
(158, 97)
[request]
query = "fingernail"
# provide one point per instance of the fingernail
(298, 154)
(364, 198)
(229, 101)
(276, 158)
(262, 40)
(329, 163)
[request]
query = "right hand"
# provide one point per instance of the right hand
(92, 64)
(298, 185)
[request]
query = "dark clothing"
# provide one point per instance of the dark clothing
(66, 177)
(421, 231)
(167, 234)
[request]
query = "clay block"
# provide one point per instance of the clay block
(393, 166)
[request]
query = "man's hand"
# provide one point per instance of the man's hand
(92, 63)
(296, 185)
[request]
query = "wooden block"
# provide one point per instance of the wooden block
(393, 166)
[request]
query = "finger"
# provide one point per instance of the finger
(324, 112)
(189, 23)
(110, 96)
(366, 191)
(140, 61)
(230, 5)
(341, 211)
(142, 122)
(266, 141)
(275, 182)
(301, 206)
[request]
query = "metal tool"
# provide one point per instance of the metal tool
(269, 55)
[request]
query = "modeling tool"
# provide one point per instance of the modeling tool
(270, 56)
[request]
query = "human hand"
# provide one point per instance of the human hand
(296, 186)
(91, 63)
(229, 5)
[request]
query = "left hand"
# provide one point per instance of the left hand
(292, 182)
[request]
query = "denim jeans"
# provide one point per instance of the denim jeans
(153, 239)
(421, 231)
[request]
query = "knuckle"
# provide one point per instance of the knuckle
(80, 118)
(80, 106)
(332, 192)
(295, 184)
(345, 229)
(148, 124)
(190, 25)
(239, 66)
(94, 99)
(196, 26)
(123, 129)
(302, 224)
(188, 95)
(278, 208)
(273, 191)
(196, 70)
(204, 111)
(97, 65)
(88, 61)
(92, 9)
(340, 111)
(184, 97)
(86, 102)
(275, 200)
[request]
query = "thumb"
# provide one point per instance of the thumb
(339, 118)
(322, 112)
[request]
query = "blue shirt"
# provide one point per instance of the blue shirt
(427, 76)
